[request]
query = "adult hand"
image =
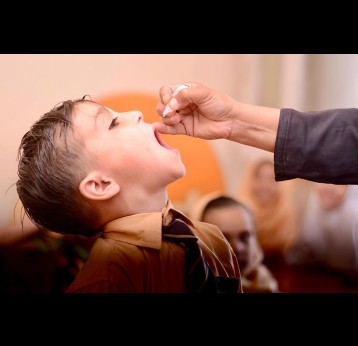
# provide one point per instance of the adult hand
(198, 111)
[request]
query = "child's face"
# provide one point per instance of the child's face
(331, 196)
(126, 148)
(238, 228)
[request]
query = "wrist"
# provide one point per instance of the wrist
(239, 123)
(255, 126)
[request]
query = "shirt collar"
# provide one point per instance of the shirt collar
(143, 229)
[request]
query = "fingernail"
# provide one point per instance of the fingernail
(173, 104)
(166, 98)
(167, 110)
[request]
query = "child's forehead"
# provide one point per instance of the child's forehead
(91, 108)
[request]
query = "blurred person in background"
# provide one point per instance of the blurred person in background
(237, 224)
(327, 229)
(273, 208)
(271, 203)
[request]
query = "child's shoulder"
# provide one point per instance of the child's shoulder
(208, 231)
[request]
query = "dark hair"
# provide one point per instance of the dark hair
(224, 202)
(51, 166)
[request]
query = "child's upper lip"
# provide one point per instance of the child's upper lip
(160, 141)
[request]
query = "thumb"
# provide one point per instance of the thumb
(165, 129)
(195, 94)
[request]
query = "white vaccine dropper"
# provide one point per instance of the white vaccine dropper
(167, 108)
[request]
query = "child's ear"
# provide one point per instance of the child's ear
(96, 186)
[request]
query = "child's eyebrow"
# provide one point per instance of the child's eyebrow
(96, 111)
(101, 112)
(104, 110)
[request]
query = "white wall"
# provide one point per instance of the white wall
(333, 81)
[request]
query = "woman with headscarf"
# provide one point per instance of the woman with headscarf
(272, 205)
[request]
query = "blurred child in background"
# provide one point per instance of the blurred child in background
(238, 226)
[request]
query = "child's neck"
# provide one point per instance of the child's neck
(137, 202)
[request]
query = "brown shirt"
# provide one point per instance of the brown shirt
(132, 257)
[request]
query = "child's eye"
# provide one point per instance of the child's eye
(114, 123)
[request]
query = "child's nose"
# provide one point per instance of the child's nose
(135, 116)
(241, 247)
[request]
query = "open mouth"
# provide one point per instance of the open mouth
(160, 140)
